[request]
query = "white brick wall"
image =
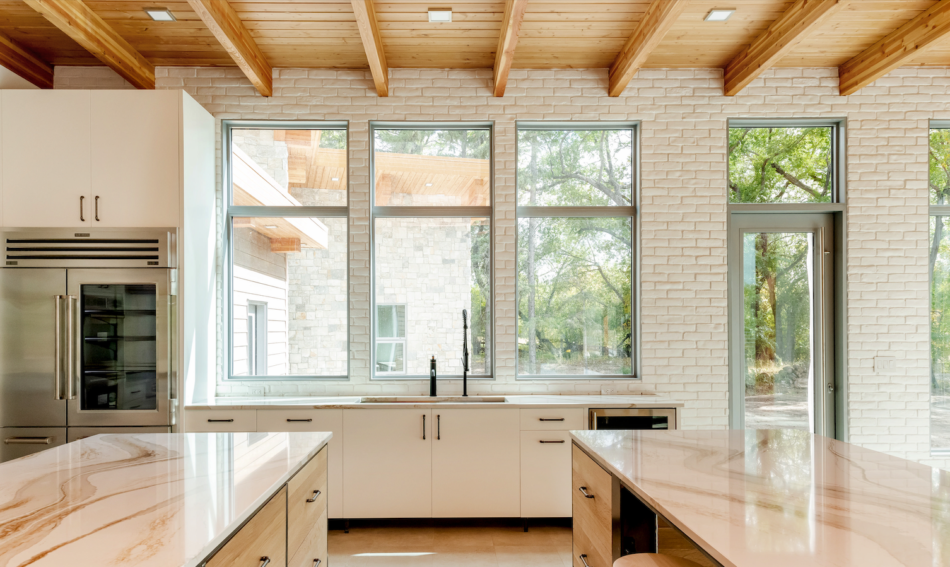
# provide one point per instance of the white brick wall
(683, 215)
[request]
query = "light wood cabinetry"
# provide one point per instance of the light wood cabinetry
(135, 154)
(314, 420)
(45, 149)
(475, 463)
(595, 494)
(263, 536)
(387, 470)
(307, 513)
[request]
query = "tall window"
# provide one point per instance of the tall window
(939, 262)
(431, 248)
(576, 227)
(287, 236)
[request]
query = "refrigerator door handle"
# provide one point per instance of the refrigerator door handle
(58, 378)
(73, 349)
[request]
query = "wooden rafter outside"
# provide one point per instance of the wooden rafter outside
(507, 42)
(800, 20)
(658, 19)
(231, 33)
(897, 48)
(365, 12)
(84, 26)
(24, 63)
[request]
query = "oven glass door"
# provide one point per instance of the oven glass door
(121, 365)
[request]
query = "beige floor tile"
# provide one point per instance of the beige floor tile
(527, 556)
(464, 537)
(517, 536)
(566, 554)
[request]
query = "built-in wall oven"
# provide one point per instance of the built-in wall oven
(632, 418)
(87, 329)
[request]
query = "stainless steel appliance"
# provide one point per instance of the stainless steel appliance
(87, 328)
(632, 418)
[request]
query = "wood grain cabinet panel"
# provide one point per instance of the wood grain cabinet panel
(593, 512)
(306, 501)
(313, 548)
(265, 535)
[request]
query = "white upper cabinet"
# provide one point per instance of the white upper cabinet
(135, 154)
(45, 155)
(475, 463)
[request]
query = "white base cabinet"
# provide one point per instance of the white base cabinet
(545, 474)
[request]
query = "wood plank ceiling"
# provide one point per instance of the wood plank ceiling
(554, 34)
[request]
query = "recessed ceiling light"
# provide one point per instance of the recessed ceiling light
(271, 226)
(720, 14)
(428, 185)
(334, 179)
(440, 15)
(160, 14)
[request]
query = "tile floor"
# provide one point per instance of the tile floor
(542, 546)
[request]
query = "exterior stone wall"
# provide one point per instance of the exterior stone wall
(682, 217)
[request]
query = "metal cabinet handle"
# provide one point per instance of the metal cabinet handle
(28, 440)
(438, 427)
(82, 199)
(73, 350)
(265, 561)
(423, 427)
(220, 421)
(543, 441)
(316, 494)
(550, 419)
(97, 208)
(317, 562)
(299, 420)
(583, 558)
(58, 347)
(583, 490)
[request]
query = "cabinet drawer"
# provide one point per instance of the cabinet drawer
(313, 548)
(228, 421)
(559, 419)
(265, 535)
(593, 519)
(310, 483)
(545, 474)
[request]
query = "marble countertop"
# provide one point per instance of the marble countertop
(519, 401)
(143, 500)
(784, 498)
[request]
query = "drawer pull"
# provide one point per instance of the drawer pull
(222, 421)
(317, 562)
(137, 392)
(543, 441)
(265, 561)
(299, 420)
(583, 490)
(27, 440)
(583, 558)
(316, 494)
(550, 419)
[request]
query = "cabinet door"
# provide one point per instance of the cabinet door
(45, 150)
(387, 467)
(135, 154)
(545, 474)
(307, 513)
(314, 420)
(476, 463)
(263, 537)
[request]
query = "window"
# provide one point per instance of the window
(939, 262)
(287, 262)
(576, 227)
(390, 339)
(431, 248)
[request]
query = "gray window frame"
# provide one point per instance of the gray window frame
(632, 212)
(381, 212)
(933, 211)
(403, 340)
(230, 211)
(257, 328)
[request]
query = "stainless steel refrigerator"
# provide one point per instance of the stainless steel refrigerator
(87, 329)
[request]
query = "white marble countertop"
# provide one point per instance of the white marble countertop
(518, 401)
(144, 500)
(784, 498)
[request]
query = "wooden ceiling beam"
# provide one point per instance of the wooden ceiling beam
(507, 41)
(229, 30)
(86, 28)
(658, 19)
(896, 49)
(21, 61)
(365, 13)
(785, 33)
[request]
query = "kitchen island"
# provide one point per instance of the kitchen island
(167, 500)
(749, 498)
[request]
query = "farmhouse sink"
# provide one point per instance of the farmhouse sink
(432, 400)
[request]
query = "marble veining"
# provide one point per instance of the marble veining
(784, 498)
(144, 500)
(645, 400)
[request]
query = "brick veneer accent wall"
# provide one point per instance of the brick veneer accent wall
(683, 215)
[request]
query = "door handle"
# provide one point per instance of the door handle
(316, 494)
(220, 421)
(423, 427)
(583, 490)
(299, 420)
(583, 559)
(265, 561)
(317, 562)
(28, 440)
(82, 205)
(58, 347)
(550, 419)
(543, 441)
(438, 427)
(97, 208)
(73, 350)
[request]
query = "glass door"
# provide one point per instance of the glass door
(782, 322)
(122, 345)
